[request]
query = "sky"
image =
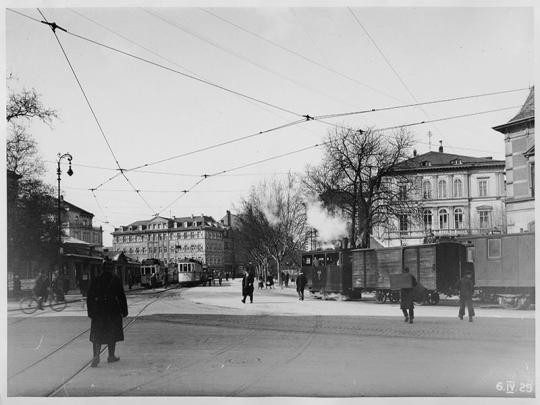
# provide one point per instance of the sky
(296, 60)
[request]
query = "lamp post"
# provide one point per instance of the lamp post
(59, 172)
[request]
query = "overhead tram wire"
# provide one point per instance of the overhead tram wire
(125, 38)
(289, 124)
(245, 59)
(206, 176)
(329, 69)
(391, 66)
(316, 118)
(125, 53)
(53, 27)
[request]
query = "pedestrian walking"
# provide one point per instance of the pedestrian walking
(270, 281)
(41, 289)
(220, 277)
(107, 306)
(261, 283)
(286, 280)
(247, 286)
(16, 286)
(407, 303)
(227, 276)
(57, 286)
(466, 289)
(301, 282)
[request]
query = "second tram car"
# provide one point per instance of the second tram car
(187, 272)
(152, 273)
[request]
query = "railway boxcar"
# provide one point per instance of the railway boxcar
(504, 266)
(328, 271)
(436, 266)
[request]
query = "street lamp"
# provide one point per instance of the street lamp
(59, 172)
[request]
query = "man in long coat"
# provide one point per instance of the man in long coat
(407, 303)
(106, 305)
(301, 282)
(247, 286)
(466, 290)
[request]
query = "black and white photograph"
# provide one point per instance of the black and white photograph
(286, 202)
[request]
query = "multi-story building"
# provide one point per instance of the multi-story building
(77, 223)
(519, 152)
(172, 239)
(457, 195)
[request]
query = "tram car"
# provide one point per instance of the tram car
(350, 272)
(504, 266)
(187, 272)
(152, 273)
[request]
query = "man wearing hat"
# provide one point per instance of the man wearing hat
(466, 289)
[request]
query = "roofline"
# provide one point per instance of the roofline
(478, 165)
(512, 123)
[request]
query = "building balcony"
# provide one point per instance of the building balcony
(421, 233)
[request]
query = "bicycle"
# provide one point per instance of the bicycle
(30, 304)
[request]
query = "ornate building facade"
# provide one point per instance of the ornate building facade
(457, 195)
(519, 153)
(172, 239)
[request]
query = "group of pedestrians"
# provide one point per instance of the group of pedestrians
(249, 279)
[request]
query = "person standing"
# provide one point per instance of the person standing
(247, 286)
(220, 277)
(16, 286)
(466, 290)
(41, 289)
(301, 282)
(407, 303)
(286, 280)
(106, 305)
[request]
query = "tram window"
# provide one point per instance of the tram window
(332, 258)
(306, 260)
(318, 260)
(470, 254)
(494, 248)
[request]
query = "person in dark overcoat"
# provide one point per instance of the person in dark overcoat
(407, 303)
(107, 305)
(301, 282)
(466, 289)
(247, 286)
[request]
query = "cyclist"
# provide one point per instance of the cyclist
(41, 287)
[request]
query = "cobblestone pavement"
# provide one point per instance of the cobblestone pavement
(202, 354)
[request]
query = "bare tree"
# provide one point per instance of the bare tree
(27, 104)
(22, 153)
(356, 177)
(273, 221)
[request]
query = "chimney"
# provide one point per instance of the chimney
(440, 147)
(414, 152)
(229, 218)
(345, 243)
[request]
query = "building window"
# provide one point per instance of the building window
(443, 219)
(484, 219)
(458, 188)
(402, 192)
(483, 188)
(458, 218)
(442, 189)
(428, 219)
(403, 222)
(426, 190)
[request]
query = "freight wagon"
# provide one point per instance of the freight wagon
(350, 272)
(504, 266)
(436, 266)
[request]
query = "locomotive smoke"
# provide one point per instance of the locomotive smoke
(329, 227)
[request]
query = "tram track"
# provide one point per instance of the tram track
(156, 296)
(61, 386)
